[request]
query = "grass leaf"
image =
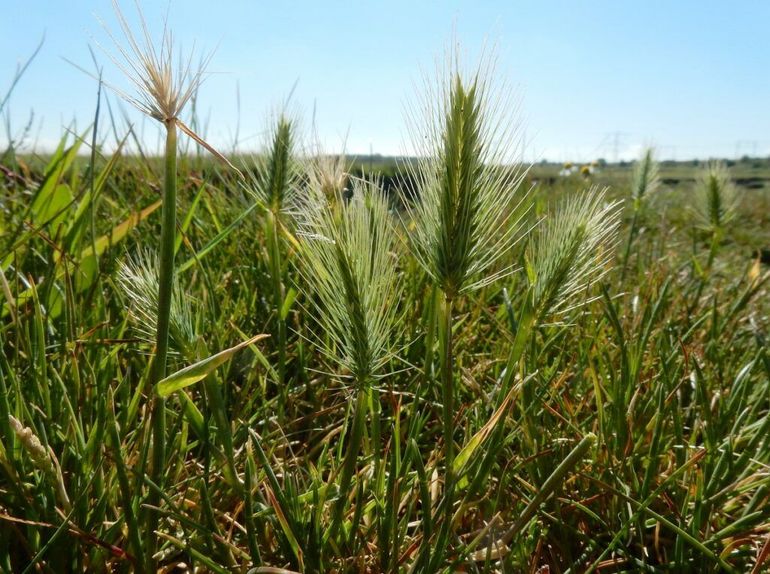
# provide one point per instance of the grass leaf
(194, 373)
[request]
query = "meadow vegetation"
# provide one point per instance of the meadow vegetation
(288, 363)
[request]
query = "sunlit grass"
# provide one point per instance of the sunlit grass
(467, 373)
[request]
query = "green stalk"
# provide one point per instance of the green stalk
(158, 369)
(631, 236)
(224, 431)
(124, 485)
(713, 247)
(375, 439)
(433, 301)
(551, 484)
(524, 330)
(447, 397)
(250, 472)
(351, 458)
(274, 252)
(447, 388)
(716, 237)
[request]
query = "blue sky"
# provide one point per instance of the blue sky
(594, 78)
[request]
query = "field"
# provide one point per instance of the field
(301, 362)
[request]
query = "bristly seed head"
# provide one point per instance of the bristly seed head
(468, 212)
(164, 83)
(138, 279)
(350, 276)
(716, 199)
(275, 176)
(328, 176)
(572, 249)
(646, 179)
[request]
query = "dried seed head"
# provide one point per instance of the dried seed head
(165, 82)
(328, 176)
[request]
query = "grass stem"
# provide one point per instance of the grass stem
(351, 459)
(447, 397)
(158, 369)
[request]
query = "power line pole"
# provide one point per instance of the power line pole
(616, 138)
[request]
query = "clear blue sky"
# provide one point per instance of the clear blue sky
(691, 77)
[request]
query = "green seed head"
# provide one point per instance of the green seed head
(468, 211)
(571, 250)
(645, 180)
(137, 278)
(275, 176)
(716, 200)
(350, 275)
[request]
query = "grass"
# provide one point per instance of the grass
(490, 371)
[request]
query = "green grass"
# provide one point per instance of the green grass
(433, 395)
(675, 390)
